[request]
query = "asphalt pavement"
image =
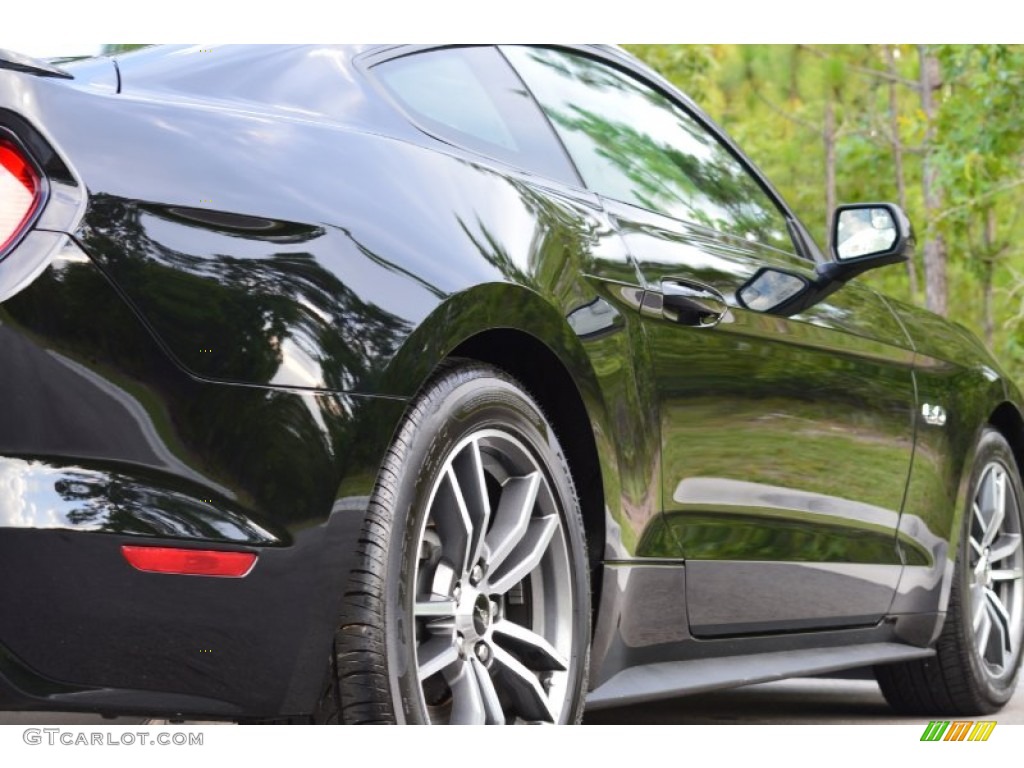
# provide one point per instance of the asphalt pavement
(801, 701)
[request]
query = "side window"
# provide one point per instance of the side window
(632, 144)
(471, 97)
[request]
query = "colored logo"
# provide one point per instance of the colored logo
(958, 730)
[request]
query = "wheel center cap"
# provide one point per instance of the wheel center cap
(481, 614)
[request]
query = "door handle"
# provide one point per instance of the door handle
(689, 303)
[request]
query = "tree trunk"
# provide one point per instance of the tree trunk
(792, 102)
(986, 299)
(934, 244)
(897, 157)
(828, 135)
(987, 269)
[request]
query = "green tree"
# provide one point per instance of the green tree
(978, 148)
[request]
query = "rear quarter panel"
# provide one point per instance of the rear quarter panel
(271, 287)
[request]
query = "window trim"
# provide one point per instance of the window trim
(367, 61)
(803, 246)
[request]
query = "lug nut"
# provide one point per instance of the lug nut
(476, 574)
(483, 652)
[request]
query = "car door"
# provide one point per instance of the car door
(786, 441)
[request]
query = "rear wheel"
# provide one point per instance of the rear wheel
(978, 655)
(471, 602)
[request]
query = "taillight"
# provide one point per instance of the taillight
(20, 193)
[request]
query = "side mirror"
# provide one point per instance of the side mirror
(772, 290)
(866, 236)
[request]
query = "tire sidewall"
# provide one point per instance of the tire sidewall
(453, 408)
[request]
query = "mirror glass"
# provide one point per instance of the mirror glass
(865, 232)
(594, 319)
(769, 289)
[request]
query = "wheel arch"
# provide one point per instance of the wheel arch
(524, 334)
(547, 379)
(1006, 418)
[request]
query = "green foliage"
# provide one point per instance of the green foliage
(981, 138)
(116, 49)
(687, 66)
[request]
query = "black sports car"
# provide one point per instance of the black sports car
(466, 384)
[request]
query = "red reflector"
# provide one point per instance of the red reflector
(189, 562)
(19, 193)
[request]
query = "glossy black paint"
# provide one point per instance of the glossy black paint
(252, 259)
(951, 367)
(785, 440)
(103, 434)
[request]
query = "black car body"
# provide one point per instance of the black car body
(246, 263)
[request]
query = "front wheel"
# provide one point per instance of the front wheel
(975, 669)
(471, 601)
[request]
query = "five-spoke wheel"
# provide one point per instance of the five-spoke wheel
(493, 598)
(996, 567)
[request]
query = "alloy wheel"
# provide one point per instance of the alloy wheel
(493, 602)
(996, 575)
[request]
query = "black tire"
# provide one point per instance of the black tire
(958, 680)
(375, 675)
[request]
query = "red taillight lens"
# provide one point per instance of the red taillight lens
(19, 193)
(189, 562)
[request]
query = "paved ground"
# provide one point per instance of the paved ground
(789, 701)
(802, 701)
